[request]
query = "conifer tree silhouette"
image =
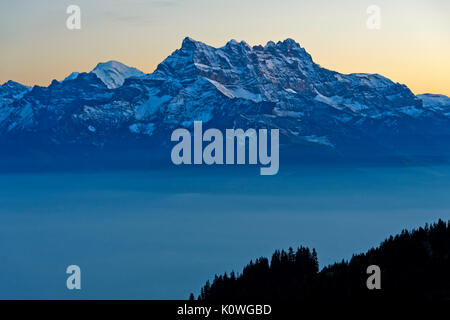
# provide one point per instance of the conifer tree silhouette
(414, 265)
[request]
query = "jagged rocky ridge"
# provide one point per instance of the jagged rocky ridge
(321, 114)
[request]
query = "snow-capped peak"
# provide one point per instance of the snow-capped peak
(436, 102)
(13, 85)
(114, 73)
(188, 40)
(434, 99)
(72, 76)
(11, 90)
(111, 73)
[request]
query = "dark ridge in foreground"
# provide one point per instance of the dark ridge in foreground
(414, 266)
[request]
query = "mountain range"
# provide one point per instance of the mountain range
(121, 116)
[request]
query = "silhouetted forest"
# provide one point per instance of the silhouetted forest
(414, 265)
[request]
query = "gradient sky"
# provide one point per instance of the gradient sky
(412, 46)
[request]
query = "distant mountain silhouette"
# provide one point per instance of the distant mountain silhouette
(414, 265)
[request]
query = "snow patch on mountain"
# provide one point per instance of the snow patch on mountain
(11, 91)
(150, 106)
(434, 101)
(111, 73)
(114, 73)
(319, 140)
(142, 128)
(411, 111)
(71, 76)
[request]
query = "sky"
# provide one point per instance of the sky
(412, 45)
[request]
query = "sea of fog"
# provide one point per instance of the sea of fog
(162, 234)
